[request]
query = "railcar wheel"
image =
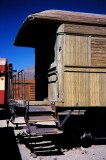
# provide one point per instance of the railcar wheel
(86, 140)
(76, 134)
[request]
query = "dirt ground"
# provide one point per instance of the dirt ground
(11, 149)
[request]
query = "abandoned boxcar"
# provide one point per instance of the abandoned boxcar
(70, 62)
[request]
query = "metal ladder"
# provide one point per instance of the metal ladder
(18, 105)
(20, 80)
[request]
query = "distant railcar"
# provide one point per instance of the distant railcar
(5, 87)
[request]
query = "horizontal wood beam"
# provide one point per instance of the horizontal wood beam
(85, 69)
(82, 29)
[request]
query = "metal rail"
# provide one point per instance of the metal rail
(21, 85)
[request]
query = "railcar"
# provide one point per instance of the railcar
(5, 87)
(70, 76)
(9, 106)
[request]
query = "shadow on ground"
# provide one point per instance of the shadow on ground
(57, 144)
(79, 130)
(8, 146)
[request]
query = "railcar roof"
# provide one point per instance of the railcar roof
(68, 16)
(37, 23)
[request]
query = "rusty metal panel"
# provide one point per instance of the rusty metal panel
(29, 90)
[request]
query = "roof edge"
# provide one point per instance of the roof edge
(70, 16)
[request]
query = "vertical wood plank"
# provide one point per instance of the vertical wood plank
(76, 50)
(102, 90)
(94, 89)
(60, 68)
(76, 89)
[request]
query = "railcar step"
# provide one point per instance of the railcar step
(41, 118)
(33, 130)
(19, 120)
(40, 109)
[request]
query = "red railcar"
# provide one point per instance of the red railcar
(4, 85)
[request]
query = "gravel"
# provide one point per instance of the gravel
(95, 152)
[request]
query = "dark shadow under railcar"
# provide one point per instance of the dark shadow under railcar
(8, 145)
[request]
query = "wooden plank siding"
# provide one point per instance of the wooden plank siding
(84, 87)
(29, 90)
(76, 89)
(82, 29)
(84, 70)
(98, 51)
(76, 50)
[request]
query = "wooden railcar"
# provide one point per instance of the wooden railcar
(70, 58)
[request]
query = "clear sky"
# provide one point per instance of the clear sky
(14, 12)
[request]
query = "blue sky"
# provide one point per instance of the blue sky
(14, 12)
